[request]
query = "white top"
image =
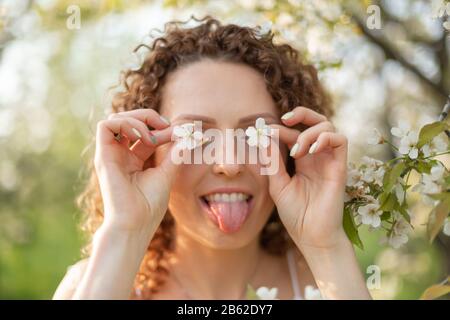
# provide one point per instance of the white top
(294, 276)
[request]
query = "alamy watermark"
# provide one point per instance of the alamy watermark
(256, 145)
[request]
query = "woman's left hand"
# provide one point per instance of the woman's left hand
(310, 203)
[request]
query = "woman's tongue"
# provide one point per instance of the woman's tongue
(229, 216)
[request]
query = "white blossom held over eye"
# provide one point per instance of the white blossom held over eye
(259, 135)
(187, 137)
(265, 293)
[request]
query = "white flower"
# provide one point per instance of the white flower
(370, 214)
(402, 130)
(356, 192)
(408, 145)
(437, 172)
(259, 136)
(438, 144)
(265, 293)
(371, 162)
(427, 185)
(446, 228)
(312, 293)
(374, 171)
(429, 182)
(375, 138)
(354, 177)
(446, 25)
(187, 137)
(439, 8)
(375, 176)
(399, 235)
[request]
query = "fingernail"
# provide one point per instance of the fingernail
(313, 147)
(294, 150)
(153, 138)
(165, 120)
(136, 132)
(287, 115)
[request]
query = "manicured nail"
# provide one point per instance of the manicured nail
(287, 115)
(165, 120)
(153, 138)
(313, 147)
(136, 132)
(294, 150)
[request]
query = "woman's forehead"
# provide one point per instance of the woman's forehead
(217, 90)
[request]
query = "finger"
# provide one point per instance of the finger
(148, 116)
(331, 140)
(159, 137)
(286, 135)
(302, 115)
(108, 129)
(308, 137)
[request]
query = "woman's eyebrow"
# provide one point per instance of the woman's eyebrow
(252, 118)
(248, 119)
(194, 117)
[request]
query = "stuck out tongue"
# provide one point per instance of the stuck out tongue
(230, 216)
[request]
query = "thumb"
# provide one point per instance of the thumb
(171, 163)
(279, 178)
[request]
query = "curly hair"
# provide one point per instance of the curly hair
(290, 81)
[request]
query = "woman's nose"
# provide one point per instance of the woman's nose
(229, 170)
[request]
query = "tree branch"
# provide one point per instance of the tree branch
(391, 53)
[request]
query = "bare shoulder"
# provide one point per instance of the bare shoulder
(71, 280)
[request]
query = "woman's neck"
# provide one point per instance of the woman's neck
(208, 273)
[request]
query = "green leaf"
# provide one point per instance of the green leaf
(437, 217)
(391, 176)
(439, 196)
(388, 202)
(404, 213)
(251, 293)
(436, 291)
(423, 166)
(350, 228)
(385, 215)
(429, 131)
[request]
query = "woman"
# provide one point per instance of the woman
(206, 231)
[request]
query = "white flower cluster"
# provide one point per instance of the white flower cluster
(441, 10)
(408, 141)
(376, 191)
(431, 183)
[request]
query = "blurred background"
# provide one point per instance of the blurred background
(382, 61)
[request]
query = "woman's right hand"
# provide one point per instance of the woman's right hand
(134, 198)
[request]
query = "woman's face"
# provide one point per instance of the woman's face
(220, 205)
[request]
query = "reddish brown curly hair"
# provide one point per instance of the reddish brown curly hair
(290, 81)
